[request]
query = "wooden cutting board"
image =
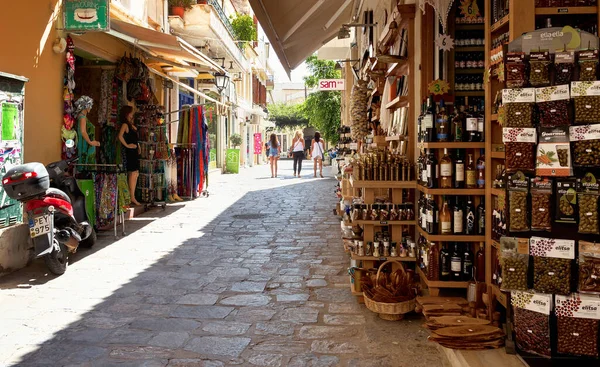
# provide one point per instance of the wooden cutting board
(429, 300)
(445, 321)
(469, 331)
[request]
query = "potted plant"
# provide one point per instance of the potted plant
(178, 7)
(244, 28)
(232, 163)
(235, 140)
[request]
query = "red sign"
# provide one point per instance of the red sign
(332, 84)
(258, 143)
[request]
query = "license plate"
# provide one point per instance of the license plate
(39, 225)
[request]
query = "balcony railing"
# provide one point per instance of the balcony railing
(215, 4)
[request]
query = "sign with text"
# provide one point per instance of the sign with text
(332, 84)
(232, 160)
(87, 15)
(258, 143)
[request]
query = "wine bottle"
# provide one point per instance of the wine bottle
(455, 264)
(459, 170)
(445, 218)
(446, 170)
(444, 263)
(442, 123)
(481, 217)
(469, 217)
(481, 170)
(467, 264)
(480, 264)
(458, 215)
(432, 170)
(471, 173)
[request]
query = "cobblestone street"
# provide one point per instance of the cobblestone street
(254, 275)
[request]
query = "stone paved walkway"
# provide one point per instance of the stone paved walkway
(254, 275)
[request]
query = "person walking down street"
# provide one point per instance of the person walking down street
(316, 150)
(298, 152)
(274, 151)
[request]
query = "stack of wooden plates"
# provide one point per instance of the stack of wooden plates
(444, 309)
(435, 323)
(469, 337)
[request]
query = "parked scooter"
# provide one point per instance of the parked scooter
(55, 207)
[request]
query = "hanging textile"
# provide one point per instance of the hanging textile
(192, 152)
(108, 147)
(106, 195)
(124, 197)
(442, 8)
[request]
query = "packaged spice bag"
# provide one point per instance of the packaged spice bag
(588, 191)
(552, 261)
(588, 65)
(516, 70)
(520, 146)
(589, 267)
(553, 156)
(565, 210)
(539, 66)
(518, 107)
(578, 318)
(564, 67)
(518, 190)
(514, 259)
(586, 145)
(586, 96)
(532, 321)
(553, 105)
(541, 202)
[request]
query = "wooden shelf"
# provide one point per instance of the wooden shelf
(467, 26)
(453, 145)
(395, 138)
(500, 296)
(494, 117)
(498, 155)
(398, 69)
(472, 93)
(386, 222)
(400, 101)
(498, 192)
(469, 71)
(451, 191)
(439, 283)
(469, 48)
(499, 24)
(383, 184)
(567, 10)
(382, 258)
(450, 237)
(354, 293)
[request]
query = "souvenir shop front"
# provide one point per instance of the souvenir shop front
(127, 86)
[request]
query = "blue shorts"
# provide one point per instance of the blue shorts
(273, 152)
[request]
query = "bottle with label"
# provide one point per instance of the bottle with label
(428, 120)
(481, 122)
(481, 217)
(471, 173)
(446, 170)
(470, 228)
(423, 252)
(472, 124)
(455, 264)
(481, 170)
(459, 170)
(423, 212)
(458, 124)
(467, 264)
(433, 215)
(445, 218)
(444, 263)
(420, 129)
(441, 123)
(458, 215)
(433, 268)
(480, 264)
(422, 167)
(432, 170)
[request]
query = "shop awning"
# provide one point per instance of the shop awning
(297, 28)
(162, 45)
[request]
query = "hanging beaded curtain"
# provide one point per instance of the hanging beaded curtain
(442, 8)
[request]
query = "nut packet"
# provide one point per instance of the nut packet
(589, 268)
(541, 199)
(588, 191)
(564, 67)
(577, 324)
(520, 146)
(586, 96)
(565, 210)
(514, 259)
(516, 70)
(518, 107)
(588, 65)
(553, 156)
(532, 321)
(518, 189)
(539, 66)
(552, 261)
(553, 105)
(586, 145)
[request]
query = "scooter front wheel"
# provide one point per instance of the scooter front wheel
(58, 260)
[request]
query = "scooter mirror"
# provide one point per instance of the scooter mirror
(70, 143)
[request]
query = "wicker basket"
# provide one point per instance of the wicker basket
(389, 311)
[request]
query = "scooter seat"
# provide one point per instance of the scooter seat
(52, 192)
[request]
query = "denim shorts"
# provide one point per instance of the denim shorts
(273, 152)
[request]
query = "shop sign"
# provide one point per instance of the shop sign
(87, 15)
(258, 143)
(332, 84)
(232, 161)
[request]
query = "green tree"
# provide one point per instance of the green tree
(322, 109)
(244, 27)
(287, 116)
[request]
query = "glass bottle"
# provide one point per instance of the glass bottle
(444, 263)
(470, 217)
(481, 170)
(480, 264)
(471, 173)
(422, 166)
(420, 128)
(428, 120)
(481, 217)
(458, 214)
(433, 268)
(445, 218)
(472, 124)
(457, 124)
(481, 122)
(432, 215)
(446, 170)
(455, 264)
(442, 123)
(423, 212)
(467, 264)
(432, 170)
(459, 170)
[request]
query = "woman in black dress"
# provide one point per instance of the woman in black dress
(128, 136)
